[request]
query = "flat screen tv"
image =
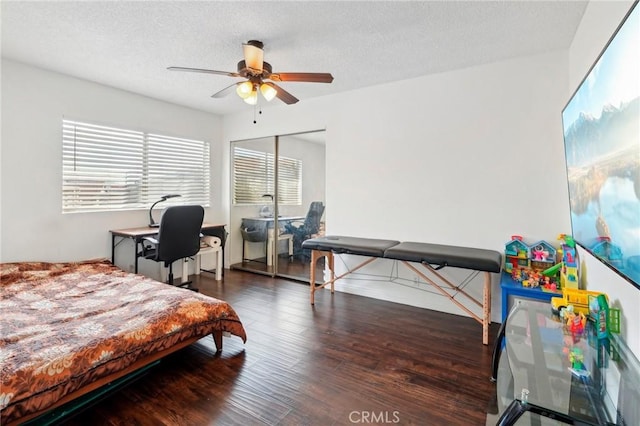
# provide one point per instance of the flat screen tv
(601, 125)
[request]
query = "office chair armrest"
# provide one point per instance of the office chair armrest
(149, 245)
(294, 224)
(152, 240)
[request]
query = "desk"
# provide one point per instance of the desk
(269, 221)
(137, 234)
(267, 225)
(536, 376)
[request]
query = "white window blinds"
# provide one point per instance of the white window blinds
(254, 176)
(107, 168)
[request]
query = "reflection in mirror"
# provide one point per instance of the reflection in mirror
(252, 186)
(303, 204)
(275, 212)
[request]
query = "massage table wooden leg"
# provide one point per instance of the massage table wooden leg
(315, 256)
(312, 276)
(486, 301)
(486, 296)
(333, 271)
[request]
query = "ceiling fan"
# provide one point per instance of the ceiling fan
(257, 72)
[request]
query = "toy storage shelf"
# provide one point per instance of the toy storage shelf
(574, 379)
(512, 289)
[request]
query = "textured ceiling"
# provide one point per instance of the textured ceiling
(129, 45)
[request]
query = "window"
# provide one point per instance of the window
(253, 176)
(107, 168)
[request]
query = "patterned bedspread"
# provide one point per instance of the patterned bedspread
(64, 325)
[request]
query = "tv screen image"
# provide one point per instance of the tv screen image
(602, 147)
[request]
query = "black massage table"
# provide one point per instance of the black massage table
(433, 257)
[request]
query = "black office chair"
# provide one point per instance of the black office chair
(178, 237)
(305, 230)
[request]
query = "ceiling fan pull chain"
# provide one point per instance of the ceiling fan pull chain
(259, 108)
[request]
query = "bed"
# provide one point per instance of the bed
(431, 257)
(68, 329)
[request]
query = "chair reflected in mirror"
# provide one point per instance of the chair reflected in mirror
(254, 233)
(302, 231)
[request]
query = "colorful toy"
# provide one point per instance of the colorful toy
(569, 269)
(568, 240)
(575, 322)
(516, 254)
(605, 250)
(537, 265)
(543, 256)
(553, 271)
(516, 274)
(549, 285)
(606, 319)
(521, 259)
(532, 278)
(579, 299)
(576, 358)
(575, 355)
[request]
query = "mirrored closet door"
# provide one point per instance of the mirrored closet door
(278, 201)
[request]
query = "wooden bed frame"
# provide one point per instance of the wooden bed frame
(139, 366)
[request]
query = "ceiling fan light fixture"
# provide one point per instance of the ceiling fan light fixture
(244, 89)
(268, 92)
(253, 55)
(252, 99)
(258, 75)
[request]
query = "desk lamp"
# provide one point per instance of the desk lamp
(152, 223)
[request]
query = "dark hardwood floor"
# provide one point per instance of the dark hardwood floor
(346, 360)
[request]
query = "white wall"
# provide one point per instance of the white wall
(34, 101)
(598, 25)
(468, 158)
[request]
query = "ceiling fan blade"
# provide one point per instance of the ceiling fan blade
(224, 92)
(230, 74)
(282, 94)
(310, 77)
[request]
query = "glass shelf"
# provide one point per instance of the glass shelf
(537, 375)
